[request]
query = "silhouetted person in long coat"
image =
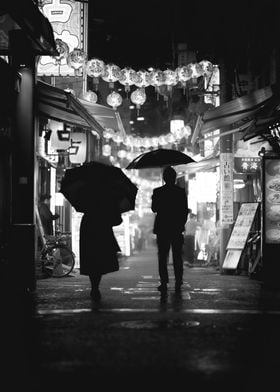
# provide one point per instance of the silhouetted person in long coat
(98, 245)
(170, 204)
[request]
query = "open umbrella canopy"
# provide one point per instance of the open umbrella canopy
(159, 158)
(90, 185)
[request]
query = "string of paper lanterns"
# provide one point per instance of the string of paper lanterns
(96, 68)
(139, 142)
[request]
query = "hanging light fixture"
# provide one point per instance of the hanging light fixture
(76, 59)
(206, 67)
(111, 74)
(63, 50)
(90, 96)
(138, 97)
(95, 69)
(156, 79)
(184, 74)
(128, 77)
(170, 78)
(196, 71)
(114, 99)
(142, 80)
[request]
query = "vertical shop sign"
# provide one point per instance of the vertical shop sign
(67, 18)
(226, 188)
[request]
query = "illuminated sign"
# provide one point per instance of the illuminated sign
(67, 19)
(247, 165)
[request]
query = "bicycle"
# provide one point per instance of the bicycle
(56, 258)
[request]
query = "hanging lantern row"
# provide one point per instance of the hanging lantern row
(112, 73)
(137, 142)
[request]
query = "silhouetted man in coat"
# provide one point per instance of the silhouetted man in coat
(170, 204)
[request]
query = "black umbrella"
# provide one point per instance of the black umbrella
(94, 182)
(159, 158)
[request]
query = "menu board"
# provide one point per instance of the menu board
(272, 201)
(242, 226)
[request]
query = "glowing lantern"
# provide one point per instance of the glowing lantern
(95, 69)
(63, 50)
(170, 79)
(121, 154)
(114, 99)
(117, 138)
(162, 140)
(176, 124)
(184, 74)
(195, 69)
(76, 59)
(111, 74)
(138, 97)
(106, 150)
(142, 80)
(128, 77)
(90, 96)
(108, 133)
(170, 138)
(156, 79)
(207, 67)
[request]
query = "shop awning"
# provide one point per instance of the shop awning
(237, 110)
(60, 105)
(206, 164)
(107, 117)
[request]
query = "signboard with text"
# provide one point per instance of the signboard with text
(67, 18)
(226, 176)
(239, 234)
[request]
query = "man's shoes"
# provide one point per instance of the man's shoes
(162, 288)
(190, 265)
(95, 295)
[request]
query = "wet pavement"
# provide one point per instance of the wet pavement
(221, 333)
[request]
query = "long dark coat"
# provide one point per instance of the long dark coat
(98, 245)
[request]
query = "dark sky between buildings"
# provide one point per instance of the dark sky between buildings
(143, 33)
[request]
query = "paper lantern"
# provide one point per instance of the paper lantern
(106, 150)
(95, 69)
(170, 79)
(184, 74)
(128, 77)
(114, 99)
(63, 50)
(143, 79)
(195, 69)
(138, 97)
(207, 68)
(111, 74)
(156, 79)
(76, 59)
(90, 96)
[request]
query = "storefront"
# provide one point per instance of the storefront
(70, 132)
(247, 120)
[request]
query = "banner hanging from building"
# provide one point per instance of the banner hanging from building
(226, 188)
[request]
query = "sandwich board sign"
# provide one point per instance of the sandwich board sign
(239, 234)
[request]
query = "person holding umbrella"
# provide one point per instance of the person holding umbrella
(98, 245)
(102, 192)
(170, 204)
